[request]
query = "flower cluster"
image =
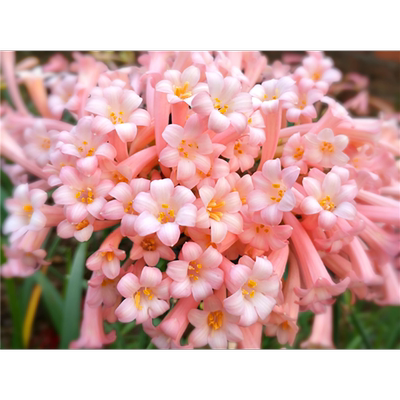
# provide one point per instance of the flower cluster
(222, 172)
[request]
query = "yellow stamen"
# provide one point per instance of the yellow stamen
(214, 319)
(28, 208)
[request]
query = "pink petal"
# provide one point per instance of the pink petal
(150, 277)
(146, 224)
(181, 289)
(290, 175)
(218, 122)
(326, 219)
(162, 190)
(345, 210)
(234, 222)
(168, 233)
(272, 170)
(96, 207)
(218, 231)
(126, 132)
(263, 304)
(187, 215)
(186, 169)
(38, 198)
(144, 202)
(173, 135)
(202, 104)
(128, 285)
(169, 157)
(126, 311)
(310, 206)
(206, 194)
(87, 165)
(211, 257)
(312, 187)
(191, 251)
(122, 192)
(76, 213)
(177, 270)
(257, 200)
(111, 268)
(201, 289)
(234, 304)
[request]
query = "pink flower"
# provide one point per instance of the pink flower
(326, 149)
(268, 95)
(307, 96)
(330, 199)
(61, 97)
(40, 143)
(164, 210)
(181, 86)
(293, 153)
(144, 297)
(196, 272)
(272, 195)
(243, 185)
(213, 325)
(22, 263)
(87, 143)
(255, 128)
(220, 210)
(24, 208)
(241, 154)
(74, 226)
(255, 288)
(118, 109)
(187, 148)
(319, 69)
(82, 194)
(122, 207)
(224, 105)
(262, 236)
(104, 290)
(108, 259)
(151, 249)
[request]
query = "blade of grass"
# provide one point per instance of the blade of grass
(15, 313)
(358, 325)
(52, 300)
(72, 304)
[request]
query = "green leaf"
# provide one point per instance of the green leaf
(52, 300)
(16, 315)
(72, 304)
(360, 328)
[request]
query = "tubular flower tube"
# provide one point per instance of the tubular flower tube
(235, 221)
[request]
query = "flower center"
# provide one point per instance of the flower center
(212, 210)
(238, 147)
(298, 153)
(106, 282)
(118, 177)
(327, 204)
(248, 289)
(116, 118)
(28, 209)
(194, 268)
(261, 228)
(45, 143)
(83, 149)
(148, 244)
(285, 326)
(327, 147)
(279, 191)
(316, 76)
(108, 254)
(221, 108)
(214, 319)
(128, 209)
(168, 215)
(186, 148)
(85, 196)
(137, 296)
(83, 224)
(182, 91)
